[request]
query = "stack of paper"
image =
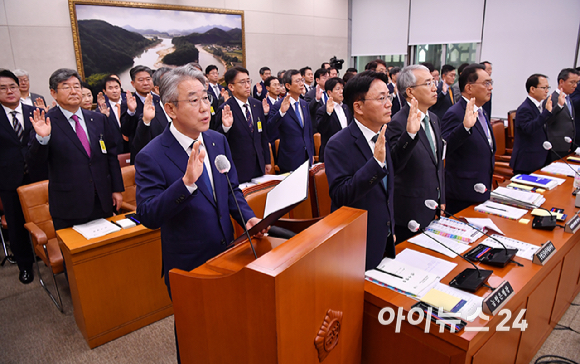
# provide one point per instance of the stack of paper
(538, 180)
(574, 159)
(96, 228)
(559, 168)
(454, 229)
(517, 186)
(440, 244)
(484, 223)
(517, 198)
(472, 302)
(269, 177)
(525, 250)
(498, 209)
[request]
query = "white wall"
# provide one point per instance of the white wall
(36, 35)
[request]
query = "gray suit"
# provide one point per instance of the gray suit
(558, 126)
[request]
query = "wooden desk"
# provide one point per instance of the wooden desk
(544, 291)
(115, 281)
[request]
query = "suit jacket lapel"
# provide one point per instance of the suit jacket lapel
(93, 132)
(239, 114)
(7, 124)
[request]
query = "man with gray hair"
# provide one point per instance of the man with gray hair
(84, 177)
(27, 97)
(179, 188)
(419, 173)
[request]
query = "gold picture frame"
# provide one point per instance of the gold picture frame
(106, 17)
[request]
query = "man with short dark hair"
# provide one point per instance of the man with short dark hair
(488, 69)
(358, 162)
(84, 176)
(445, 96)
(115, 109)
(316, 97)
(398, 101)
(28, 98)
(562, 122)
(291, 117)
(14, 136)
(470, 141)
(419, 164)
(273, 86)
(259, 88)
(215, 90)
(528, 154)
(308, 76)
(325, 65)
(245, 130)
(455, 87)
(334, 116)
(332, 72)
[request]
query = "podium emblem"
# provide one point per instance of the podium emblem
(328, 334)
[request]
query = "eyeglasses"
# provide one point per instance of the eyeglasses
(428, 83)
(382, 99)
(300, 80)
(245, 82)
(545, 88)
(486, 84)
(68, 88)
(195, 101)
(5, 89)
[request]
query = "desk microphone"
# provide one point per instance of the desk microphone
(468, 280)
(223, 166)
(539, 222)
(548, 146)
(569, 140)
(496, 257)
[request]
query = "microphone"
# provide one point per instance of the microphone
(223, 166)
(548, 146)
(539, 222)
(494, 256)
(468, 280)
(569, 140)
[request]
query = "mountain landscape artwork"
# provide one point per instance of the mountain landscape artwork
(113, 39)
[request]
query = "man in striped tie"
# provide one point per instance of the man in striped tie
(14, 130)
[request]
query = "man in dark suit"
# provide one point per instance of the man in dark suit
(27, 97)
(291, 117)
(529, 154)
(334, 116)
(114, 108)
(84, 176)
(142, 81)
(246, 130)
(259, 88)
(470, 141)
(308, 76)
(316, 97)
(274, 88)
(358, 162)
(154, 119)
(445, 96)
(562, 122)
(575, 98)
(215, 90)
(489, 69)
(419, 164)
(15, 130)
(398, 101)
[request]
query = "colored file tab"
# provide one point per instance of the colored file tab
(446, 301)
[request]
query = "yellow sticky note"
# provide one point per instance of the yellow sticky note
(524, 221)
(440, 299)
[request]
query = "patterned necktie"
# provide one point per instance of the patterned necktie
(569, 104)
(483, 123)
(249, 118)
(427, 127)
(297, 110)
(81, 134)
(17, 126)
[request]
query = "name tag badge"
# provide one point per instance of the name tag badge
(103, 146)
(212, 111)
(259, 123)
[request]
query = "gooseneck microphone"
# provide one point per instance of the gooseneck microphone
(539, 222)
(548, 146)
(570, 141)
(471, 279)
(496, 257)
(223, 166)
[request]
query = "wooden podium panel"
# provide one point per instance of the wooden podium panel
(238, 309)
(544, 291)
(115, 281)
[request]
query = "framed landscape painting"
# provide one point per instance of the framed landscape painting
(113, 36)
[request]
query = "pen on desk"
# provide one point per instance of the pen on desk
(391, 274)
(495, 208)
(117, 224)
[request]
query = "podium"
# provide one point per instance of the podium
(301, 301)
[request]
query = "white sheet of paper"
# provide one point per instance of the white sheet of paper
(482, 223)
(428, 243)
(428, 263)
(292, 189)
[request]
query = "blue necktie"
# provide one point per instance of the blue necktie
(204, 176)
(569, 104)
(297, 109)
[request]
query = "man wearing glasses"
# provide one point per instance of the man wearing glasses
(529, 155)
(358, 161)
(470, 142)
(291, 118)
(246, 130)
(418, 159)
(562, 122)
(84, 176)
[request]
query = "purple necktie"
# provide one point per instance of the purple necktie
(82, 135)
(483, 122)
(249, 118)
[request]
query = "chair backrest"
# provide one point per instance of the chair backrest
(256, 198)
(511, 128)
(319, 191)
(128, 173)
(499, 134)
(124, 159)
(272, 160)
(316, 138)
(34, 202)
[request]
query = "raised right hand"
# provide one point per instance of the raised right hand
(259, 88)
(562, 99)
(131, 102)
(148, 109)
(227, 117)
(285, 105)
(194, 164)
(549, 103)
(41, 124)
(470, 115)
(319, 92)
(102, 104)
(330, 105)
(380, 151)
